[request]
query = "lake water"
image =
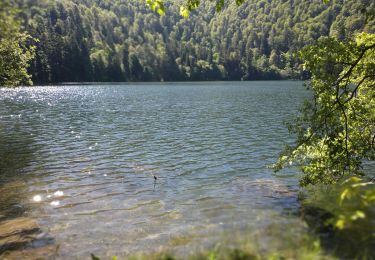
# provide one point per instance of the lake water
(81, 161)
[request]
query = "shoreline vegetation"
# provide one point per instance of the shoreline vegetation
(116, 41)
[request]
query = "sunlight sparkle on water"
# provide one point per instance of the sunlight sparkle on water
(37, 198)
(59, 193)
(55, 203)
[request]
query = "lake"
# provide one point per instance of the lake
(80, 161)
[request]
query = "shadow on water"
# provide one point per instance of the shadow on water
(20, 234)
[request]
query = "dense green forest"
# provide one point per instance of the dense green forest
(119, 40)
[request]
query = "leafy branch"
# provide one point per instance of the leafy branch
(332, 139)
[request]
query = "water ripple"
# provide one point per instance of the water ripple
(101, 146)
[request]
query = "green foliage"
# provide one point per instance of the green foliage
(156, 6)
(112, 40)
(191, 5)
(357, 197)
(15, 50)
(82, 40)
(94, 257)
(348, 207)
(335, 133)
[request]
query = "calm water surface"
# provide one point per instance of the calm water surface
(80, 160)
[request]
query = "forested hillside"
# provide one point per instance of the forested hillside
(122, 40)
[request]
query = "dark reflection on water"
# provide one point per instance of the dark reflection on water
(86, 157)
(16, 155)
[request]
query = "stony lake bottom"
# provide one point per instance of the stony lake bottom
(80, 160)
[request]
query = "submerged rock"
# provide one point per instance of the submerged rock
(17, 233)
(22, 238)
(265, 187)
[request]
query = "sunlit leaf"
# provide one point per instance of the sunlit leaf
(184, 11)
(340, 224)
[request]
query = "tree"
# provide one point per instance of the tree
(15, 49)
(336, 130)
(84, 40)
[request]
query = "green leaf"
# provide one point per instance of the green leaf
(344, 194)
(340, 223)
(358, 214)
(184, 11)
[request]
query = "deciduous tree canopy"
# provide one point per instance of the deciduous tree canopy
(15, 50)
(336, 132)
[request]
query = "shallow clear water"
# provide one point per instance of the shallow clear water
(81, 160)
